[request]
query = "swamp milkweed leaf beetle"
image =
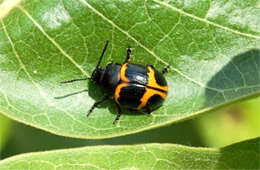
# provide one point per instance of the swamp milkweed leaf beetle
(132, 86)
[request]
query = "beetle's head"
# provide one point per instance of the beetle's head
(98, 74)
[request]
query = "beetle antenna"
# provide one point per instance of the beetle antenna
(99, 61)
(73, 80)
(102, 54)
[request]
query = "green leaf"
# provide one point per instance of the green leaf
(212, 48)
(6, 126)
(242, 155)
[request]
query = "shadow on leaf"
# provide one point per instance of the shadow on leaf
(249, 154)
(237, 79)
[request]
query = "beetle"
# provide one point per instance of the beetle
(133, 86)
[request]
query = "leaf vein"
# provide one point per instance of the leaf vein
(29, 76)
(144, 47)
(206, 21)
(53, 41)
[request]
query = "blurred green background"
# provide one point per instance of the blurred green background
(218, 128)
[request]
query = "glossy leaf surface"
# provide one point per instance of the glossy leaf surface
(211, 46)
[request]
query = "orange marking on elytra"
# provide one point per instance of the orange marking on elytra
(123, 72)
(152, 81)
(117, 91)
(148, 94)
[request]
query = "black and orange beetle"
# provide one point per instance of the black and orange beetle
(132, 86)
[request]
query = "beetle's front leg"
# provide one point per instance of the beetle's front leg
(166, 69)
(96, 104)
(128, 55)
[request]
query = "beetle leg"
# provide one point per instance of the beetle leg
(128, 53)
(119, 113)
(166, 69)
(150, 65)
(96, 104)
(148, 111)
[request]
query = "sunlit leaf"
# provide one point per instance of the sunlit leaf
(211, 46)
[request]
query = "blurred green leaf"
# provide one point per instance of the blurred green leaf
(242, 155)
(235, 123)
(212, 47)
(4, 130)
